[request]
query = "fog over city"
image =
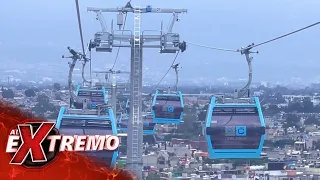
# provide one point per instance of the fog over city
(34, 35)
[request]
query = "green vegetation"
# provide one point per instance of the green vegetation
(43, 106)
(7, 93)
(153, 176)
(30, 93)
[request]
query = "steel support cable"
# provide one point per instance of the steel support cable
(256, 45)
(293, 32)
(124, 24)
(80, 27)
(82, 42)
(210, 47)
(174, 60)
(245, 89)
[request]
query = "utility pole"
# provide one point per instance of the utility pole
(167, 43)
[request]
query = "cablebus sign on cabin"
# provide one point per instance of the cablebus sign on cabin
(35, 144)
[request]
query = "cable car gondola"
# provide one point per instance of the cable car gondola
(167, 108)
(87, 122)
(235, 130)
(89, 114)
(149, 127)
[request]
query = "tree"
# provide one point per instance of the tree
(279, 99)
(43, 105)
(190, 127)
(307, 105)
(57, 96)
(7, 93)
(56, 86)
(29, 93)
(42, 99)
(271, 110)
(311, 120)
(291, 120)
(294, 107)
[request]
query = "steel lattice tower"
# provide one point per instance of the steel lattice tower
(167, 43)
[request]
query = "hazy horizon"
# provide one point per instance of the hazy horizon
(35, 34)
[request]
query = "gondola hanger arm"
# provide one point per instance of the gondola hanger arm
(246, 89)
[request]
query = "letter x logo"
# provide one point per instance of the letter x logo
(31, 143)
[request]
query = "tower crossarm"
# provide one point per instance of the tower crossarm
(147, 9)
(111, 72)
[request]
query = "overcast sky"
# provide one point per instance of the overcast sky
(38, 32)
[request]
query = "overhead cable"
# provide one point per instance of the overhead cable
(80, 27)
(293, 32)
(256, 45)
(210, 47)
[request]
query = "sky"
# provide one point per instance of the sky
(36, 33)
